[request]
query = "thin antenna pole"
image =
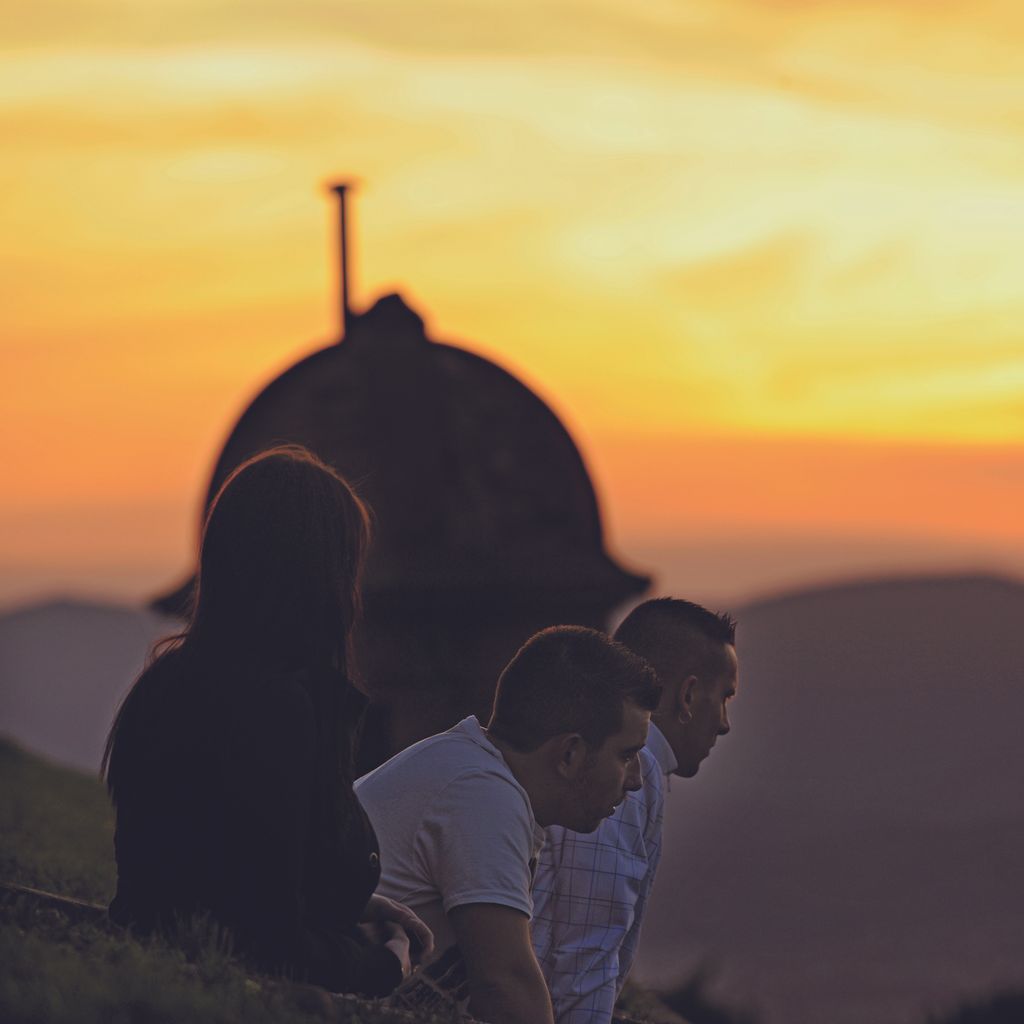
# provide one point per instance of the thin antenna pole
(345, 310)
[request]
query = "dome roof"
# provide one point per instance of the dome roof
(478, 492)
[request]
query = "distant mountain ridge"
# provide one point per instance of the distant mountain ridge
(64, 666)
(917, 582)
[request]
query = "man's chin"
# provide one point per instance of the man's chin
(590, 825)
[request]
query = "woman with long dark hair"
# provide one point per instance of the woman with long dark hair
(230, 760)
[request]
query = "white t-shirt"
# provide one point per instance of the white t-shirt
(454, 827)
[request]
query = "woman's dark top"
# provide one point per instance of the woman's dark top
(226, 804)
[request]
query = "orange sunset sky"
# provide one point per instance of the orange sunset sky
(764, 257)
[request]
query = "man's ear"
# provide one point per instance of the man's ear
(685, 698)
(568, 752)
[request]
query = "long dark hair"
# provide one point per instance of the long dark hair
(278, 589)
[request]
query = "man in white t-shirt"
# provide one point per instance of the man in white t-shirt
(591, 890)
(460, 816)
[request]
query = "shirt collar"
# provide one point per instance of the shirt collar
(662, 751)
(474, 730)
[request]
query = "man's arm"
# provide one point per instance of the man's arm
(505, 982)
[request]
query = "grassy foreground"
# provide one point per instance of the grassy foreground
(56, 833)
(56, 826)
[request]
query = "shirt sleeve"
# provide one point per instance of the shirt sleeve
(589, 896)
(476, 842)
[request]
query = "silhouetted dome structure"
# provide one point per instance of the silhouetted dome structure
(486, 524)
(479, 495)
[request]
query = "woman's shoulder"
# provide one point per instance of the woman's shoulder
(154, 721)
(159, 680)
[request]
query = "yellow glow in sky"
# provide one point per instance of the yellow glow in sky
(754, 227)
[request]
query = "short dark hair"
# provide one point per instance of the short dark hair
(676, 635)
(568, 679)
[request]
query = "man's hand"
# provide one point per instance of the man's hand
(505, 982)
(382, 911)
(397, 940)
